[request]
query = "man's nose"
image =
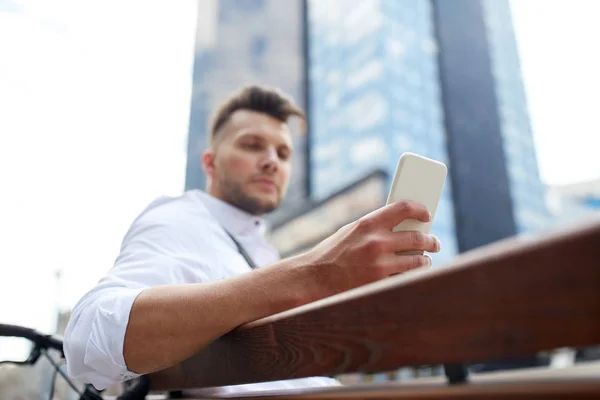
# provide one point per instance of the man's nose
(270, 160)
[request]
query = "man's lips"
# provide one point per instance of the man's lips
(265, 182)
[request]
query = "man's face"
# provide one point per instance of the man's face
(250, 161)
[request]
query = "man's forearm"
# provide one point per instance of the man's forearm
(168, 324)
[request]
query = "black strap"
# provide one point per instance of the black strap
(242, 251)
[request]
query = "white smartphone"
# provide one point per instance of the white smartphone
(419, 179)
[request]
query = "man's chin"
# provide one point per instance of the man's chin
(259, 205)
(267, 206)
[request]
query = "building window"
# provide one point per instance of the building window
(258, 47)
(250, 5)
(230, 10)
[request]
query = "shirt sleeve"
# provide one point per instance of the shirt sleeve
(158, 249)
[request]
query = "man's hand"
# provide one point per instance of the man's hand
(366, 250)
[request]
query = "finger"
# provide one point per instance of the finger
(394, 213)
(412, 240)
(397, 264)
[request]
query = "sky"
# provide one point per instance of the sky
(561, 62)
(94, 100)
(94, 105)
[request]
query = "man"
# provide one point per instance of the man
(181, 279)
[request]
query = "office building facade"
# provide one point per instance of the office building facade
(497, 189)
(374, 94)
(528, 193)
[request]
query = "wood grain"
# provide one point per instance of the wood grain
(570, 389)
(512, 298)
(580, 381)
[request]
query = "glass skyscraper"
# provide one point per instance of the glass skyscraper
(527, 190)
(497, 189)
(374, 94)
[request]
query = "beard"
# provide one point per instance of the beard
(234, 194)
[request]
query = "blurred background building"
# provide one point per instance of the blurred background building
(573, 202)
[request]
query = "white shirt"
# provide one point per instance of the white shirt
(174, 240)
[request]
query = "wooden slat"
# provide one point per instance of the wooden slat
(512, 298)
(568, 389)
(579, 381)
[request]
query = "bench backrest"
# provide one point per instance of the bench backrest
(512, 298)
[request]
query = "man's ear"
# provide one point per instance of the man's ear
(208, 162)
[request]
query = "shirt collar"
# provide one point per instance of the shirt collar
(233, 219)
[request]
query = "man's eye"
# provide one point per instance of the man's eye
(284, 155)
(252, 146)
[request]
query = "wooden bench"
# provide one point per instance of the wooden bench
(516, 297)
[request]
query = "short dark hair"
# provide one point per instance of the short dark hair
(263, 99)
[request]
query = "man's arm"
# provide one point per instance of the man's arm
(169, 324)
(143, 317)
